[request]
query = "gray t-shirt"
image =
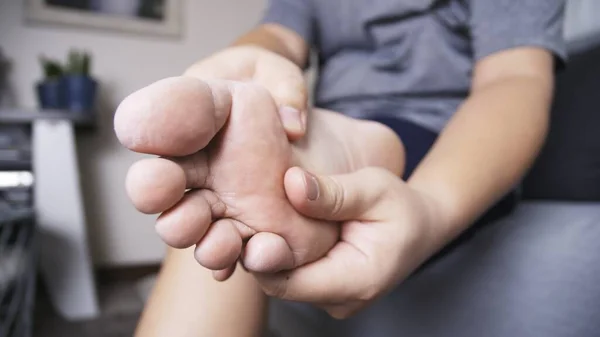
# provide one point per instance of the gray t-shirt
(412, 59)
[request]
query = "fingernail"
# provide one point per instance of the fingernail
(291, 118)
(312, 186)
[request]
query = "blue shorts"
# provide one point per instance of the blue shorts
(417, 143)
(416, 139)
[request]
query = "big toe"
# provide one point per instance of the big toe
(176, 116)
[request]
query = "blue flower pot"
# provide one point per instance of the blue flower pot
(51, 94)
(81, 93)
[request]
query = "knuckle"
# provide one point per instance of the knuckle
(286, 83)
(298, 85)
(381, 182)
(292, 93)
(379, 177)
(277, 289)
(249, 95)
(344, 310)
(338, 313)
(251, 92)
(337, 196)
(370, 292)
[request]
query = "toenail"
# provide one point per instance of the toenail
(312, 186)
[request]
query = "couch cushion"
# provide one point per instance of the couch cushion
(569, 166)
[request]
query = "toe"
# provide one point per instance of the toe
(267, 253)
(185, 224)
(220, 247)
(173, 117)
(224, 274)
(154, 185)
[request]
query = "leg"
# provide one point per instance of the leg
(187, 302)
(225, 141)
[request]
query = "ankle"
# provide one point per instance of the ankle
(380, 146)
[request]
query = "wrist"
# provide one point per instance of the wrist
(441, 220)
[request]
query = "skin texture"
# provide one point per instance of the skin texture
(224, 141)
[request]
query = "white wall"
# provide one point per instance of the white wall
(122, 63)
(581, 19)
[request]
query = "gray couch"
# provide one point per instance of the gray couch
(533, 274)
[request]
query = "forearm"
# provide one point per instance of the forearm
(187, 301)
(485, 150)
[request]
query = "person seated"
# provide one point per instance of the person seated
(465, 85)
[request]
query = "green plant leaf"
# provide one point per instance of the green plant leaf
(52, 68)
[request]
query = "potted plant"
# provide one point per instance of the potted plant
(51, 90)
(80, 86)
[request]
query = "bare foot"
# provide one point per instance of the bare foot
(220, 180)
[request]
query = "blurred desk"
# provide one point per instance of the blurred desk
(65, 259)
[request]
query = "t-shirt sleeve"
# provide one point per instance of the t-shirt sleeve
(296, 15)
(498, 25)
